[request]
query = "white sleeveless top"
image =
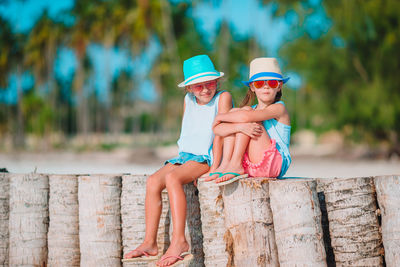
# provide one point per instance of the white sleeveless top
(196, 133)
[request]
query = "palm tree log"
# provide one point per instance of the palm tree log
(297, 223)
(29, 218)
(133, 217)
(248, 218)
(100, 220)
(4, 216)
(213, 225)
(388, 193)
(353, 222)
(63, 235)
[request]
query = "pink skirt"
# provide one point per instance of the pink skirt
(269, 166)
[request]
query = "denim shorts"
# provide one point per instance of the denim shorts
(185, 157)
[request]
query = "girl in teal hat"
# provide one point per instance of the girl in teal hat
(202, 103)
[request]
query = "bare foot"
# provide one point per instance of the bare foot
(227, 177)
(143, 250)
(174, 250)
(218, 171)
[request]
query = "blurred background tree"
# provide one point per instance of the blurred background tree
(112, 67)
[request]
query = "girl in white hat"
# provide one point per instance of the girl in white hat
(257, 137)
(202, 103)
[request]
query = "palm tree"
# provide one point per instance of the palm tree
(40, 50)
(11, 55)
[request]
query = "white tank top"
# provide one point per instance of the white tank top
(196, 133)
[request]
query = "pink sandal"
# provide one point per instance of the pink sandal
(184, 257)
(143, 256)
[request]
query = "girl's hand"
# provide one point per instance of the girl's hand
(216, 122)
(252, 129)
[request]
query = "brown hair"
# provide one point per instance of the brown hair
(248, 100)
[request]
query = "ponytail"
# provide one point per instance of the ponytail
(248, 99)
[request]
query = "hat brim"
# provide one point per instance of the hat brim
(201, 79)
(284, 80)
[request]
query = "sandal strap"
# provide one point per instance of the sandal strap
(142, 252)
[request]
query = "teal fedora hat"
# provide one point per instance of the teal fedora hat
(199, 69)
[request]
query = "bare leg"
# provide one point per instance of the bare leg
(175, 180)
(229, 142)
(155, 184)
(255, 148)
(235, 165)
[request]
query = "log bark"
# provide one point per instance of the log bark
(28, 219)
(353, 223)
(388, 193)
(297, 223)
(213, 225)
(4, 217)
(193, 233)
(63, 235)
(100, 220)
(248, 218)
(133, 217)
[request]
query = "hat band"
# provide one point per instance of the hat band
(266, 74)
(201, 75)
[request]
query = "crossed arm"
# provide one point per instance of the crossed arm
(246, 120)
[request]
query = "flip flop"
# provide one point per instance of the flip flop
(236, 177)
(144, 256)
(184, 257)
(213, 173)
(209, 175)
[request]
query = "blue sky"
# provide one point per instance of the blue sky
(247, 18)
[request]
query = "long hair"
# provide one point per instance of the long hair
(248, 100)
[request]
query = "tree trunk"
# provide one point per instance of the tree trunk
(82, 113)
(99, 220)
(63, 235)
(193, 232)
(248, 218)
(388, 193)
(19, 137)
(353, 223)
(297, 223)
(193, 225)
(4, 216)
(28, 219)
(213, 225)
(133, 217)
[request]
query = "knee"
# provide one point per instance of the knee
(171, 179)
(154, 183)
(234, 109)
(246, 108)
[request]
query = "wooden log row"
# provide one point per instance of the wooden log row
(344, 199)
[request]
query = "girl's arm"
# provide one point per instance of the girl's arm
(251, 129)
(224, 105)
(274, 111)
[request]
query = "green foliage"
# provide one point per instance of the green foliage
(355, 83)
(37, 113)
(349, 71)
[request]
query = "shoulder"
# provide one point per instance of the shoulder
(225, 96)
(282, 112)
(224, 102)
